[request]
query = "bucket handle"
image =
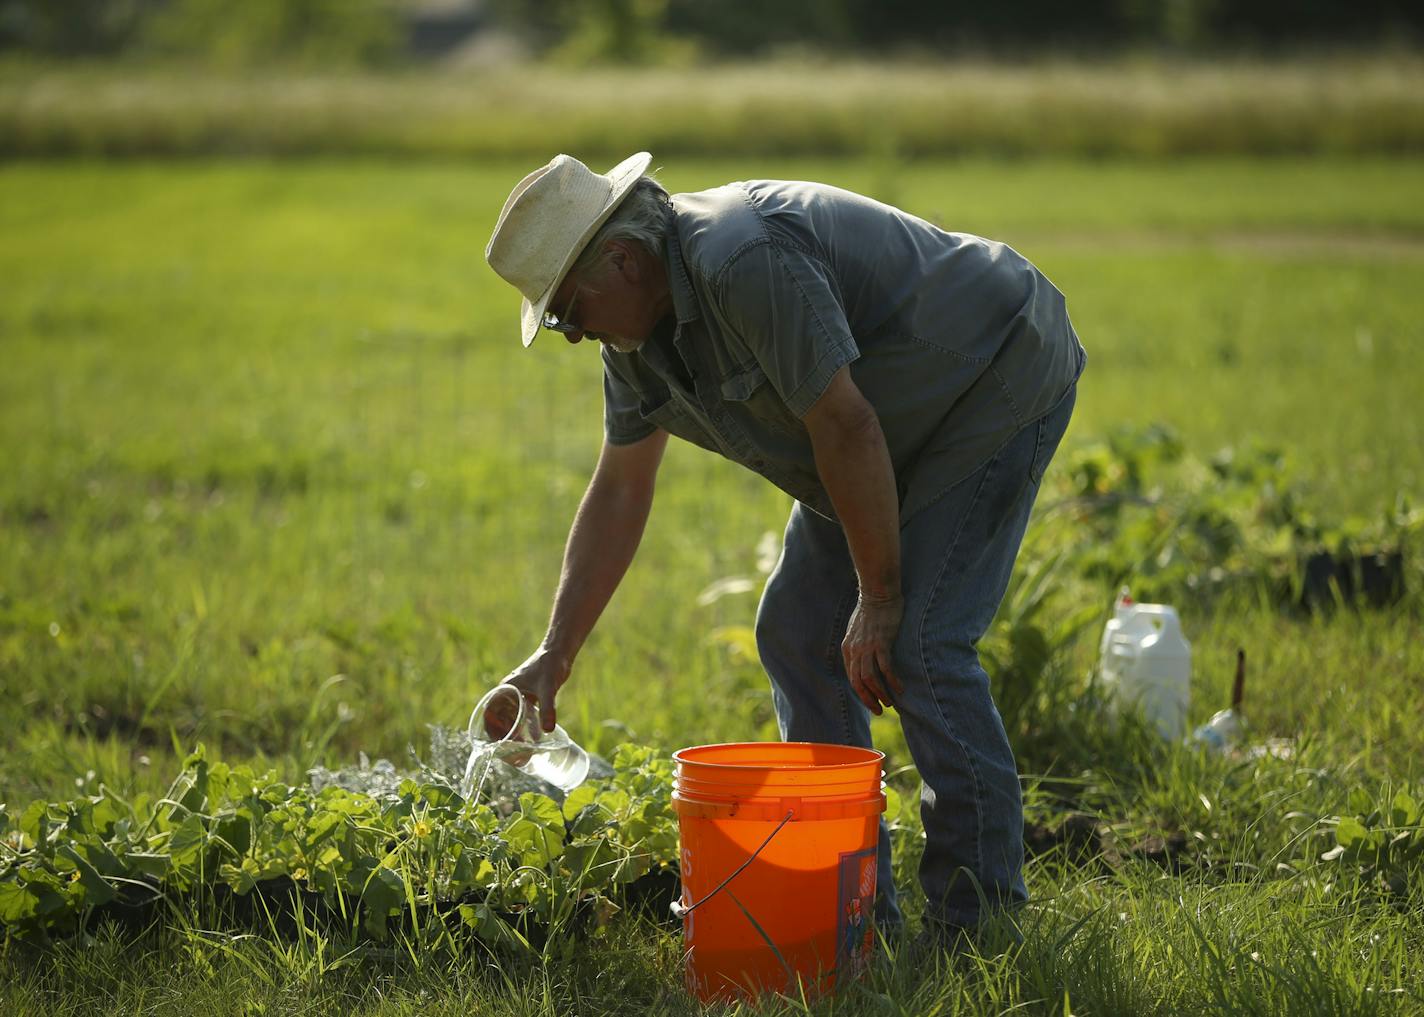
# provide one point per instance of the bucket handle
(679, 909)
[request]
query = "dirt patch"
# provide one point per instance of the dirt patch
(1085, 840)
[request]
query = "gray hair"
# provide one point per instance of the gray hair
(643, 217)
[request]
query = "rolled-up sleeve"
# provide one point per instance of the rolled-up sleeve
(783, 305)
(623, 423)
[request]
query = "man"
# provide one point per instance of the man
(907, 386)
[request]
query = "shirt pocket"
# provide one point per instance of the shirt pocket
(752, 392)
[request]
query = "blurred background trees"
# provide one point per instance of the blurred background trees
(247, 32)
(382, 32)
(223, 32)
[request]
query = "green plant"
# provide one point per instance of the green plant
(1382, 843)
(1169, 523)
(1028, 649)
(422, 849)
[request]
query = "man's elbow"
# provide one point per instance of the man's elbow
(843, 421)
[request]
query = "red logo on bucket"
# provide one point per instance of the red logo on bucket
(855, 902)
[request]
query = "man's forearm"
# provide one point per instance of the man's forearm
(602, 541)
(854, 465)
(855, 468)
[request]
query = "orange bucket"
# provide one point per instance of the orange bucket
(778, 865)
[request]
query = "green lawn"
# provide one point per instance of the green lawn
(276, 476)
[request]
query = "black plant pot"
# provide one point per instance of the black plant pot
(1376, 579)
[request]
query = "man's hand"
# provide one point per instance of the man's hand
(538, 680)
(868, 646)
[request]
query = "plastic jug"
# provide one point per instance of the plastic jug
(1147, 663)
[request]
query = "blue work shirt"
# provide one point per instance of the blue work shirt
(956, 341)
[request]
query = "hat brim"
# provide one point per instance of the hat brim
(623, 176)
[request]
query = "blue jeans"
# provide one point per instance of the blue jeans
(956, 557)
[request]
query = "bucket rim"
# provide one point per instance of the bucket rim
(870, 756)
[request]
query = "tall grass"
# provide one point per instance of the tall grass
(1151, 107)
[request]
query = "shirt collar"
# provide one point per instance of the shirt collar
(684, 301)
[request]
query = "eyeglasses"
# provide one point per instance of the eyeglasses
(563, 325)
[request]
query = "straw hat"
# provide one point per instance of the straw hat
(549, 217)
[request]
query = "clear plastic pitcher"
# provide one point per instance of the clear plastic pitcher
(551, 756)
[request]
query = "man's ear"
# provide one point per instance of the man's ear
(624, 260)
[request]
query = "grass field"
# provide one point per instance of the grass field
(277, 477)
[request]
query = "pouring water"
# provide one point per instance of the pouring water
(505, 726)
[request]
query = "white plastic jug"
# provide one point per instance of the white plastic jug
(1147, 663)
